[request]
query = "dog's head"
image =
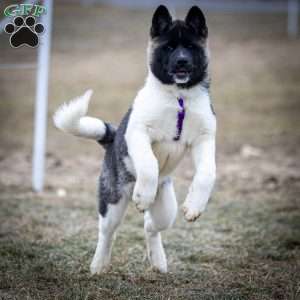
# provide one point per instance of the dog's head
(178, 49)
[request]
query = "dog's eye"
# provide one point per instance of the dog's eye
(170, 48)
(190, 46)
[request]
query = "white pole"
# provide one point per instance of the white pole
(293, 14)
(40, 118)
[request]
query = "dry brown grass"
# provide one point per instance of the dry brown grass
(247, 244)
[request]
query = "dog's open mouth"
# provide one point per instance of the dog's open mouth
(181, 75)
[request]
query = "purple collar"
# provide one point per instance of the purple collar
(180, 119)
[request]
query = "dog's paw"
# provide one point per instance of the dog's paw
(142, 201)
(161, 268)
(156, 255)
(99, 266)
(191, 212)
(158, 262)
(143, 196)
(96, 270)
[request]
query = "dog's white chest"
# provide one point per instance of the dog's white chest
(156, 117)
(169, 145)
(168, 155)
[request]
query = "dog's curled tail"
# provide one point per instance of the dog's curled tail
(71, 118)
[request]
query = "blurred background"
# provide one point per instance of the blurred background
(247, 244)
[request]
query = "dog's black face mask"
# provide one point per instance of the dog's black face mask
(179, 48)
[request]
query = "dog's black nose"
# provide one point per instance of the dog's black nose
(182, 62)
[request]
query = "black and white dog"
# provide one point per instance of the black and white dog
(171, 115)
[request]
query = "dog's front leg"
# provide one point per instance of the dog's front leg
(146, 168)
(203, 153)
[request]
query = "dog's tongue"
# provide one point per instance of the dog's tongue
(181, 73)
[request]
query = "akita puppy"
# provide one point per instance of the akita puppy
(171, 115)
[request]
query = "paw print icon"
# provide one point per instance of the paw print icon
(24, 32)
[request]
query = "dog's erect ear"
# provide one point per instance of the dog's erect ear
(161, 21)
(196, 20)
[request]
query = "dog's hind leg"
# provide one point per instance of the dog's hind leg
(107, 228)
(160, 216)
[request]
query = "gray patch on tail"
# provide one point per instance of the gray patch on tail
(109, 136)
